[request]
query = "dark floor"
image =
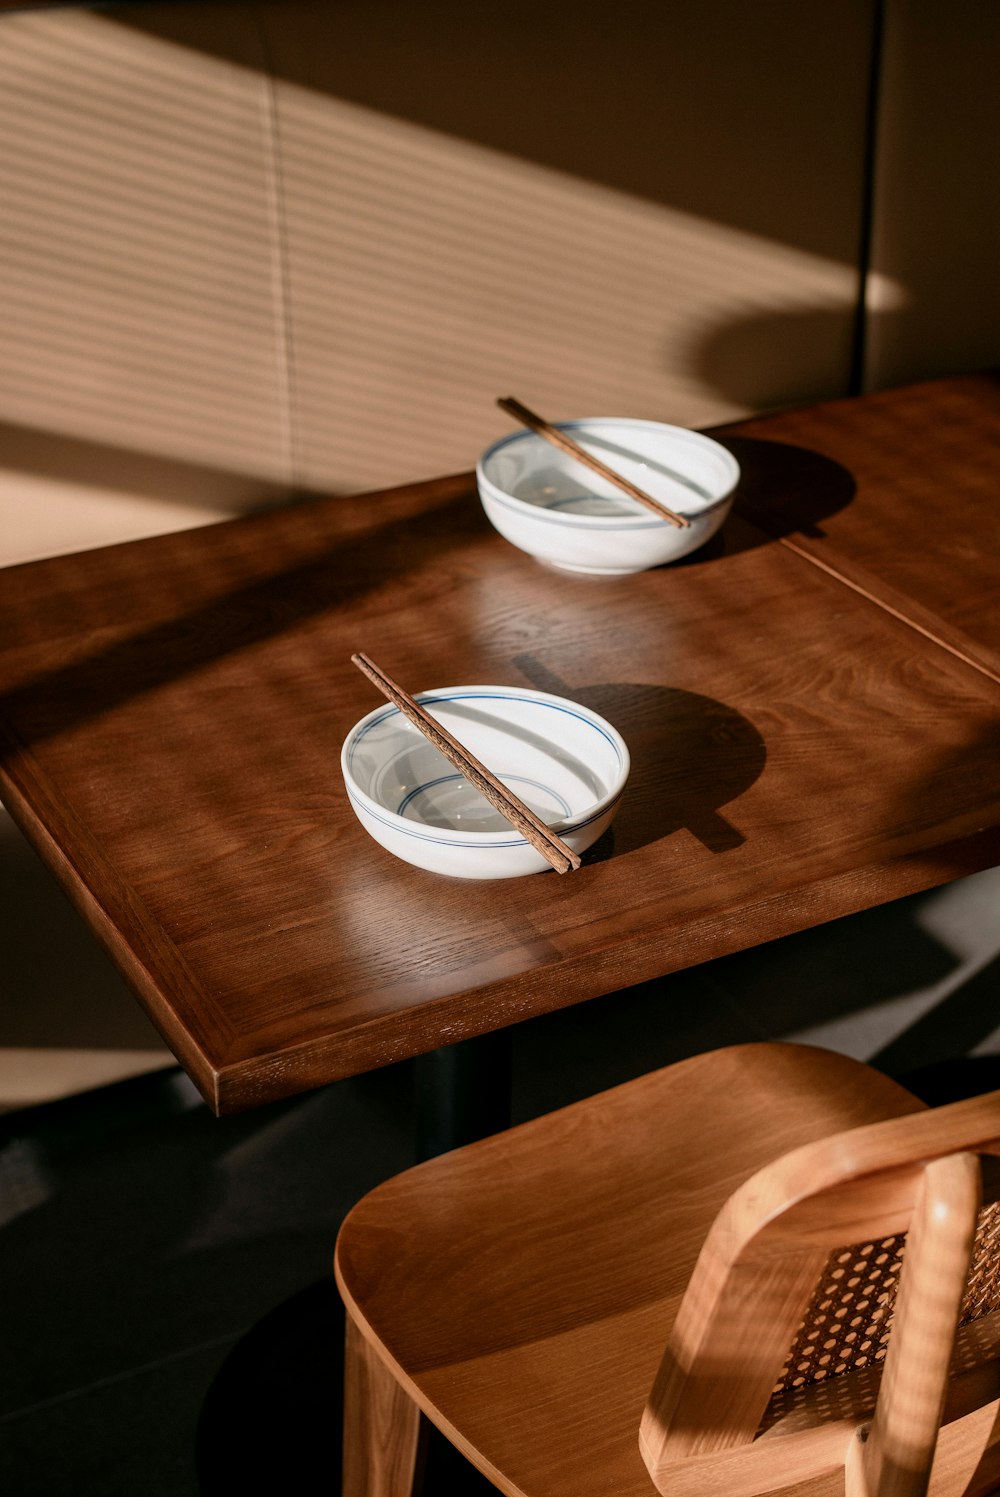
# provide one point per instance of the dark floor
(169, 1323)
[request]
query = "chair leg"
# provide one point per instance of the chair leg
(381, 1425)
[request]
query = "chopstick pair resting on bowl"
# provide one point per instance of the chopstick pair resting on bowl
(617, 495)
(510, 806)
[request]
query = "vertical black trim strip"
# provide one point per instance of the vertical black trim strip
(856, 377)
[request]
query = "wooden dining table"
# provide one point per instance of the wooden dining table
(810, 702)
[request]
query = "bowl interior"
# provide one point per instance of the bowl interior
(561, 760)
(687, 471)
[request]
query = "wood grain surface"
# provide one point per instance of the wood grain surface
(906, 511)
(381, 1425)
(521, 1291)
(172, 713)
(899, 1452)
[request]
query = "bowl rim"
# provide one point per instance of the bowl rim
(642, 520)
(456, 838)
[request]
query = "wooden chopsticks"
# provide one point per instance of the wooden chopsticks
(566, 444)
(519, 815)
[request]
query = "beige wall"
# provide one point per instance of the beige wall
(247, 250)
(937, 193)
(141, 368)
(252, 247)
(650, 209)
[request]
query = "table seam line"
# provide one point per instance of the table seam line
(886, 607)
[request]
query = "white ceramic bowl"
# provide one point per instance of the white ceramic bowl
(565, 762)
(556, 509)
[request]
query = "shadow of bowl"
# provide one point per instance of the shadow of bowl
(691, 755)
(785, 489)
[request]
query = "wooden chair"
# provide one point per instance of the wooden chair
(746, 1209)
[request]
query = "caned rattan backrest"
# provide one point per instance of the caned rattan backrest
(776, 1357)
(847, 1325)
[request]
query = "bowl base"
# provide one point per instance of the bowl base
(565, 566)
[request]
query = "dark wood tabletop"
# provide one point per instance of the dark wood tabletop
(173, 710)
(913, 517)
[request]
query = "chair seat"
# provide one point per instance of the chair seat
(521, 1289)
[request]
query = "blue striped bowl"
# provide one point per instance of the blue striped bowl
(557, 510)
(567, 763)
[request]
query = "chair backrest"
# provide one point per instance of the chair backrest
(782, 1366)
